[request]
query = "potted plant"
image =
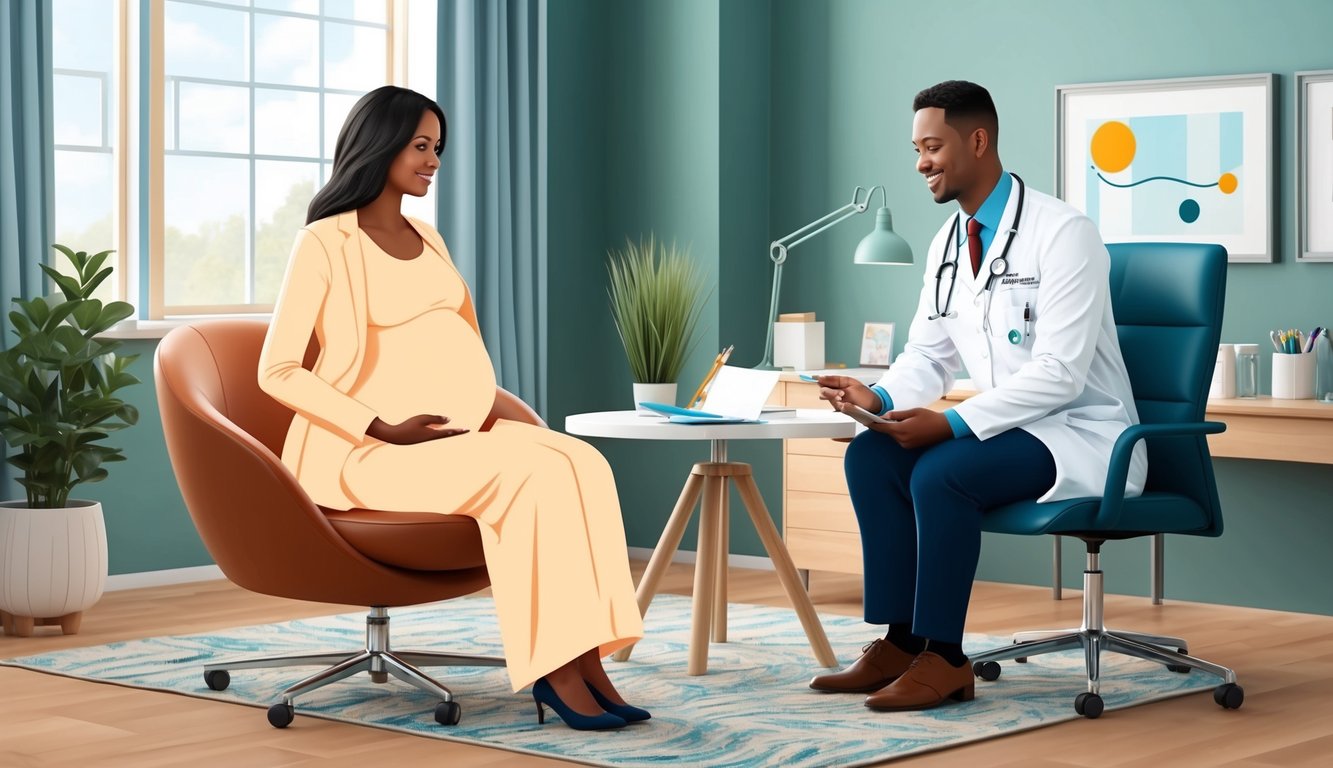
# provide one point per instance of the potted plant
(657, 295)
(59, 383)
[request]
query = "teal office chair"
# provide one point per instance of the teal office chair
(1167, 299)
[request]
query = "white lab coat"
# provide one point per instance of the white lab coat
(1065, 382)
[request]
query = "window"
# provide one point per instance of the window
(86, 93)
(245, 100)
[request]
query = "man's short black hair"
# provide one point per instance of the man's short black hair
(962, 102)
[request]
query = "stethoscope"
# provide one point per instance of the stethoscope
(997, 267)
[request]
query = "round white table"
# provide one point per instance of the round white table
(709, 479)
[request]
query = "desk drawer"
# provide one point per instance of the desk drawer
(821, 474)
(817, 446)
(820, 511)
(825, 550)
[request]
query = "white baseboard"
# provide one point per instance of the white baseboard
(163, 578)
(685, 556)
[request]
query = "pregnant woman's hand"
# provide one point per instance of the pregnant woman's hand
(417, 429)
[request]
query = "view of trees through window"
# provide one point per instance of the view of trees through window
(254, 94)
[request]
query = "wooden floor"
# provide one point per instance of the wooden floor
(1284, 660)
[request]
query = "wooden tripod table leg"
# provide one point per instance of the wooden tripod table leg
(666, 548)
(723, 550)
(791, 582)
(705, 567)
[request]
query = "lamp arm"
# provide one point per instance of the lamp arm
(777, 251)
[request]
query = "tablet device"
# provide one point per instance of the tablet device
(862, 415)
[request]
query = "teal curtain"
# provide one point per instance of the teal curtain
(27, 156)
(492, 191)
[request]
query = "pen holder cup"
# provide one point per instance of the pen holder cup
(1293, 376)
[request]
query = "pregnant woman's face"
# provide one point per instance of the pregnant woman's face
(414, 167)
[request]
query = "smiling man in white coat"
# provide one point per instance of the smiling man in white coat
(1016, 292)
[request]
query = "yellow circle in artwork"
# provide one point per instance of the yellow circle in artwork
(1113, 146)
(1227, 183)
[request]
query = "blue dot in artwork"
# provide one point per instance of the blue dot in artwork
(1189, 211)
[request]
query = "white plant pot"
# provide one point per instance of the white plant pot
(53, 563)
(653, 393)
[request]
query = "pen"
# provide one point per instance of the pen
(1027, 318)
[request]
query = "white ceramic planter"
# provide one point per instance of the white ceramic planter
(53, 563)
(653, 393)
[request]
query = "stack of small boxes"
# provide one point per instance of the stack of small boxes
(798, 341)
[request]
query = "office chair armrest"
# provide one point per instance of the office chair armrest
(1113, 494)
(511, 406)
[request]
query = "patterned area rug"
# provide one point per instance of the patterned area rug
(752, 709)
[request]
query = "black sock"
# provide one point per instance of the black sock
(951, 652)
(901, 636)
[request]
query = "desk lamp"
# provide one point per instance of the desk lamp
(881, 246)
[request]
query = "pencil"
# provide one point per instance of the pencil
(718, 362)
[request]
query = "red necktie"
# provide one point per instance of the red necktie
(974, 244)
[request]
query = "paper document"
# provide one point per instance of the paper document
(740, 392)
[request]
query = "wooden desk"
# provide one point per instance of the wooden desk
(820, 526)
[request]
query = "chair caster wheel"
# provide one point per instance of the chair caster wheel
(379, 678)
(280, 715)
(1229, 695)
(448, 713)
(218, 679)
(986, 670)
(1089, 705)
(1021, 660)
(1179, 667)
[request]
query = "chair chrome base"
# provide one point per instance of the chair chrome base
(376, 659)
(1094, 638)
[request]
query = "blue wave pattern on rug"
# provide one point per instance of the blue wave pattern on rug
(752, 709)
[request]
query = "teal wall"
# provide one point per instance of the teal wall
(724, 125)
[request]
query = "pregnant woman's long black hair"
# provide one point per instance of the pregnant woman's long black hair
(380, 124)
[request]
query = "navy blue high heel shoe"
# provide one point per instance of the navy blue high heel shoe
(543, 693)
(623, 711)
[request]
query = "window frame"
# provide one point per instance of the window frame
(153, 143)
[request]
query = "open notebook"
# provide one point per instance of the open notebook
(736, 396)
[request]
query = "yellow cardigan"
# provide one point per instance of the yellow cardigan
(324, 293)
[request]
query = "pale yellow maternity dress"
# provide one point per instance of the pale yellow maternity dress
(546, 502)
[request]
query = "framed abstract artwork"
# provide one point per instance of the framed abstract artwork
(1314, 165)
(1179, 160)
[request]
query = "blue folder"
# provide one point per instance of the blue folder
(677, 415)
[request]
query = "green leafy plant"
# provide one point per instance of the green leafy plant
(59, 383)
(657, 295)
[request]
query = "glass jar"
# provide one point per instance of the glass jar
(1247, 370)
(1323, 369)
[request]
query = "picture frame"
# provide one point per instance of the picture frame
(1174, 160)
(877, 345)
(1314, 165)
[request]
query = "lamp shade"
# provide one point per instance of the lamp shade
(883, 245)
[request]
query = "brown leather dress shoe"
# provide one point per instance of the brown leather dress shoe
(881, 663)
(926, 683)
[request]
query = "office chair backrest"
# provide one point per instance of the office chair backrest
(224, 435)
(1168, 300)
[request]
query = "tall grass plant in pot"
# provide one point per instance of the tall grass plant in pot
(657, 296)
(59, 383)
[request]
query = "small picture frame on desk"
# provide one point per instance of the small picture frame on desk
(877, 345)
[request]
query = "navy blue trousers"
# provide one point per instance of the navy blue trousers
(920, 517)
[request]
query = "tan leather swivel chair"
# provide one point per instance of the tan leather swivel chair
(224, 435)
